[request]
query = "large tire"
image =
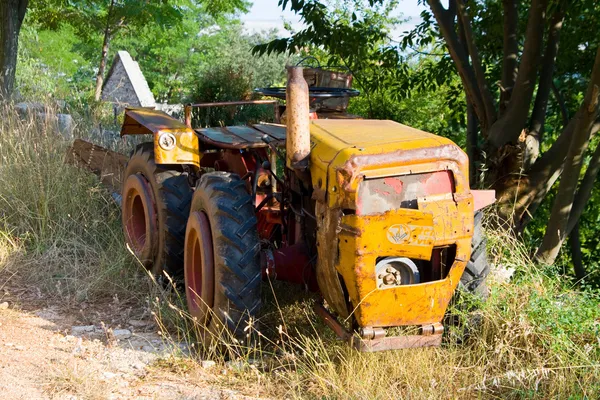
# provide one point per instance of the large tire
(222, 245)
(474, 278)
(165, 207)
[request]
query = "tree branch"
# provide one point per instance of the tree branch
(538, 115)
(445, 20)
(585, 189)
(22, 10)
(547, 169)
(563, 203)
(576, 257)
(510, 51)
(508, 128)
(561, 104)
(486, 96)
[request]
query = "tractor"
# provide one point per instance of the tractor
(375, 216)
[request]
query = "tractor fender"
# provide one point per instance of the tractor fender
(174, 142)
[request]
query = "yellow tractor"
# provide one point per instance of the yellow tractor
(375, 216)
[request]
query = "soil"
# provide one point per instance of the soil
(106, 350)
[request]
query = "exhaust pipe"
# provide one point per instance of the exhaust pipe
(297, 143)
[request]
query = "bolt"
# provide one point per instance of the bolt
(390, 270)
(389, 279)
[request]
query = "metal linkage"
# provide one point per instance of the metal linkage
(370, 339)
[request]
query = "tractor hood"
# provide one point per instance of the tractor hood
(344, 152)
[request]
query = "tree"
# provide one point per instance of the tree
(12, 13)
(506, 55)
(95, 19)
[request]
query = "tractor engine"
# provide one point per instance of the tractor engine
(395, 219)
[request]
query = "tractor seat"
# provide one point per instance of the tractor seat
(242, 137)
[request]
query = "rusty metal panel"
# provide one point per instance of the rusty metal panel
(218, 135)
(454, 216)
(174, 142)
(107, 164)
(396, 343)
(232, 137)
(247, 133)
(275, 131)
(385, 194)
(401, 232)
(408, 233)
(141, 121)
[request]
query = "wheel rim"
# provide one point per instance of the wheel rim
(199, 266)
(139, 217)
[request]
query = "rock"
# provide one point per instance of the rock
(4, 305)
(65, 125)
(236, 365)
(121, 334)
(24, 108)
(137, 323)
(207, 364)
(80, 330)
(109, 375)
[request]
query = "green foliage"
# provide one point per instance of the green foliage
(231, 73)
(49, 65)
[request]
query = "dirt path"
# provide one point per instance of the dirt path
(46, 353)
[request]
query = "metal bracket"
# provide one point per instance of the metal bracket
(374, 339)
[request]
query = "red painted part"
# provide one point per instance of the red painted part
(139, 216)
(438, 183)
(483, 198)
(291, 264)
(394, 183)
(199, 266)
(265, 224)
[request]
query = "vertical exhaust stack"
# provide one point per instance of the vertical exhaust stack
(298, 130)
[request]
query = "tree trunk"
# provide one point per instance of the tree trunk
(104, 56)
(12, 13)
(576, 253)
(538, 115)
(472, 147)
(556, 230)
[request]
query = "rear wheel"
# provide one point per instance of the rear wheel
(222, 264)
(155, 205)
(474, 278)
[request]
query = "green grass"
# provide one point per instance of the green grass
(535, 337)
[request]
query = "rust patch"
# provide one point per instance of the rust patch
(394, 183)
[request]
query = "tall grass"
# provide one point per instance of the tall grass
(535, 337)
(59, 229)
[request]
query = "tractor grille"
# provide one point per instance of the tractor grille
(376, 196)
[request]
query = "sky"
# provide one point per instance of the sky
(266, 15)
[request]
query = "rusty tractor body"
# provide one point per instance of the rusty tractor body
(376, 216)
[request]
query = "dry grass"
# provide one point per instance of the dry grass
(59, 229)
(537, 337)
(79, 379)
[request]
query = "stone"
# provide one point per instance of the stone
(4, 305)
(121, 334)
(80, 330)
(236, 365)
(137, 323)
(207, 364)
(125, 83)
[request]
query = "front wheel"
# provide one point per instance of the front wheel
(478, 268)
(221, 262)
